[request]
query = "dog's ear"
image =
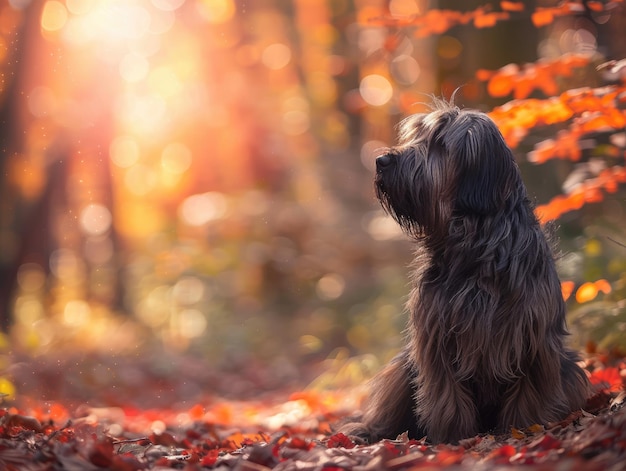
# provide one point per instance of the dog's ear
(487, 175)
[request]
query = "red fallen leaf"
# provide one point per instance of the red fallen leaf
(210, 458)
(21, 421)
(300, 443)
(448, 457)
(546, 442)
(126, 463)
(339, 440)
(392, 449)
(163, 438)
(609, 379)
(502, 454)
(102, 454)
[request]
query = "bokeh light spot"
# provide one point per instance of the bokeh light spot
(276, 56)
(405, 69)
(124, 151)
(141, 180)
(176, 158)
(134, 67)
(191, 323)
(167, 5)
(403, 7)
(164, 81)
(216, 11)
(64, 263)
(330, 286)
(79, 7)
(76, 313)
(53, 16)
(370, 151)
(376, 90)
(28, 310)
(188, 290)
(95, 219)
(200, 209)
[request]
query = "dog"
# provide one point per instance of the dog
(485, 338)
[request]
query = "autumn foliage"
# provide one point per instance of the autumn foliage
(587, 113)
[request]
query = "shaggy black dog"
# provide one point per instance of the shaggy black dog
(485, 348)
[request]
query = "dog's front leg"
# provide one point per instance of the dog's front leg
(389, 406)
(445, 407)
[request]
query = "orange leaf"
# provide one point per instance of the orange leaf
(567, 287)
(609, 377)
(196, 412)
(586, 292)
(512, 6)
(484, 74)
(487, 20)
(500, 85)
(542, 17)
(523, 87)
(604, 286)
(595, 6)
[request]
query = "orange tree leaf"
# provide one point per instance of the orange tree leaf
(586, 292)
(567, 287)
(542, 17)
(488, 20)
(512, 6)
(587, 192)
(595, 6)
(604, 286)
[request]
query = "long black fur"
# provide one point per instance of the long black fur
(485, 338)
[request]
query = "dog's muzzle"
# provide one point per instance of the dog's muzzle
(383, 162)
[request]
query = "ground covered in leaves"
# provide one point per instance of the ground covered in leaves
(272, 430)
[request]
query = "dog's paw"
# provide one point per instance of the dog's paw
(358, 432)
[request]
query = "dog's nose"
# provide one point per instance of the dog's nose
(383, 161)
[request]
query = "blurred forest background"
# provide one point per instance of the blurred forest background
(195, 176)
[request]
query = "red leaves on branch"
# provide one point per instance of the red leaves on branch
(588, 111)
(589, 191)
(541, 75)
(435, 21)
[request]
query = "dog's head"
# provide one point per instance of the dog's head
(448, 163)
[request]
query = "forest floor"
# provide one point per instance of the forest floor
(98, 413)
